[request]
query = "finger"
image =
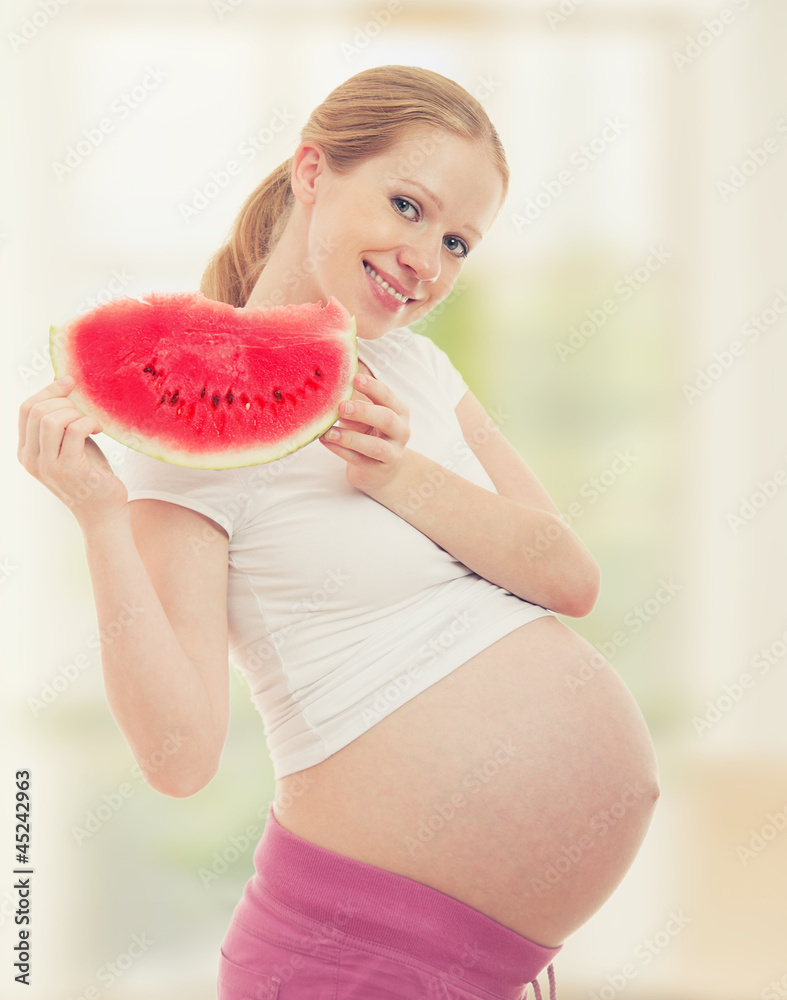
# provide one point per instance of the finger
(52, 391)
(346, 421)
(346, 424)
(336, 447)
(380, 393)
(51, 430)
(370, 415)
(345, 453)
(351, 444)
(75, 434)
(30, 438)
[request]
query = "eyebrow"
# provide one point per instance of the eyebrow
(436, 200)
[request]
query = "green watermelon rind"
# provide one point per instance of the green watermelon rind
(226, 458)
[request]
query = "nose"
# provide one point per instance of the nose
(422, 257)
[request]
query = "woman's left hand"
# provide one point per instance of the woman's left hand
(372, 439)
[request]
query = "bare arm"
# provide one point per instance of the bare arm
(161, 601)
(521, 548)
(514, 537)
(162, 611)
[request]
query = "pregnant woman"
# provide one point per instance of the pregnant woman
(461, 779)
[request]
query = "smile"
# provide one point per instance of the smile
(391, 291)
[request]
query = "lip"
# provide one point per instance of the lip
(394, 284)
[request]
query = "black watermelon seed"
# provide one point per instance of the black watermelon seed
(202, 394)
(163, 399)
(174, 398)
(150, 369)
(318, 373)
(277, 393)
(215, 400)
(229, 398)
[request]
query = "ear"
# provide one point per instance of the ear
(308, 162)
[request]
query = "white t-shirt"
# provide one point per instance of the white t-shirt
(339, 609)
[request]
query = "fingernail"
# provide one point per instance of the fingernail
(64, 380)
(361, 380)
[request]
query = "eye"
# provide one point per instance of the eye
(403, 201)
(457, 243)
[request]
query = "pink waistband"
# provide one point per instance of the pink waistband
(396, 912)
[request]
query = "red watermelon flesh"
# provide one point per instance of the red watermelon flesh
(200, 383)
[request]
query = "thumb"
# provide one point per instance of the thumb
(62, 386)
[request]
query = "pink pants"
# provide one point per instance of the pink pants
(315, 924)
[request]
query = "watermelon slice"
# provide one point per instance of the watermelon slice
(200, 383)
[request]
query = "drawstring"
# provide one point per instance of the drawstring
(552, 990)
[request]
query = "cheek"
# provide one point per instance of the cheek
(449, 274)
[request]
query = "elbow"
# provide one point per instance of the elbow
(580, 598)
(183, 783)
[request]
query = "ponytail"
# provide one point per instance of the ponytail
(234, 269)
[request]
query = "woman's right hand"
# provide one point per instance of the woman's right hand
(55, 447)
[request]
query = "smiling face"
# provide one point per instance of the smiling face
(408, 217)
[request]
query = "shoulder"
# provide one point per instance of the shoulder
(215, 493)
(420, 349)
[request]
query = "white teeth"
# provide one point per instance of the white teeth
(397, 295)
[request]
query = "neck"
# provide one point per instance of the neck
(284, 280)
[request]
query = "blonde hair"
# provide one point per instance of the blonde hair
(363, 117)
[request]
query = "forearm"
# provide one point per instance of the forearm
(155, 693)
(528, 551)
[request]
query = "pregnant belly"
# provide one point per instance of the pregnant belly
(521, 784)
